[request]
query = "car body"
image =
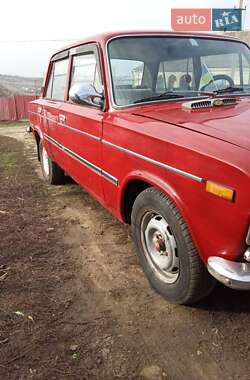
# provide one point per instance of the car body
(194, 149)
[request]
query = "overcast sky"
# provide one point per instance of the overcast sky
(23, 20)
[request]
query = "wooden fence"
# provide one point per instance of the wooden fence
(15, 107)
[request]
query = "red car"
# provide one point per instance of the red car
(156, 126)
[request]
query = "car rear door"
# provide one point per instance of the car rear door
(80, 125)
(54, 98)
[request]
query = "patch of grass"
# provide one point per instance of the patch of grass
(4, 124)
(8, 160)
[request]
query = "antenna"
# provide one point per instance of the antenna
(241, 5)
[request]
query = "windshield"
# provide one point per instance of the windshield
(149, 68)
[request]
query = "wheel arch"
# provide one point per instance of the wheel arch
(38, 137)
(151, 180)
(133, 185)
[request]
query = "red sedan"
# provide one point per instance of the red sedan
(156, 127)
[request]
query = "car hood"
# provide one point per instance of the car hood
(227, 123)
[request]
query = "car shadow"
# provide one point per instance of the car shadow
(226, 299)
(69, 181)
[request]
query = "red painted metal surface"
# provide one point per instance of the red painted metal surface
(210, 144)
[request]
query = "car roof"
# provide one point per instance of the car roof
(104, 37)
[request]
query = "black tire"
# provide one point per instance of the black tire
(193, 282)
(54, 175)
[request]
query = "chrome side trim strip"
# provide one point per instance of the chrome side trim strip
(34, 113)
(43, 116)
(110, 178)
(130, 152)
(79, 131)
(152, 161)
(83, 161)
(73, 154)
(49, 119)
(67, 126)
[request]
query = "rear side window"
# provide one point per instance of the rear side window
(85, 71)
(58, 80)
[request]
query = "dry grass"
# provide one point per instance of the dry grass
(13, 123)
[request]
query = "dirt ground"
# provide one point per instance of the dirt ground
(74, 303)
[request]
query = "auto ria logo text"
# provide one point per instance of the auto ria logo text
(206, 19)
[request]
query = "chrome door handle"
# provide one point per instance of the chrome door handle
(39, 109)
(61, 118)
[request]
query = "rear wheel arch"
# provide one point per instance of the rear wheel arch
(38, 138)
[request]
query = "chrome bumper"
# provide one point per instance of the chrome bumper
(231, 273)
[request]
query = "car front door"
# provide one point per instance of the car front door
(80, 125)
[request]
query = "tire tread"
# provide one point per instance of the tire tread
(56, 175)
(201, 283)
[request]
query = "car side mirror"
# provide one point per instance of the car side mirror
(86, 94)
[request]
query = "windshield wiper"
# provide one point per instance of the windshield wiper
(164, 95)
(179, 93)
(229, 89)
(175, 94)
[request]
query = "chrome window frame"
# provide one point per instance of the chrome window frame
(86, 48)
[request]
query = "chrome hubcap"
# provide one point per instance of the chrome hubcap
(45, 162)
(160, 247)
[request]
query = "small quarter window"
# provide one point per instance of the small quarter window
(49, 88)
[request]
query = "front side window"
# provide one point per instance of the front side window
(149, 68)
(85, 71)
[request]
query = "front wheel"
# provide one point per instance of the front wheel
(52, 173)
(166, 250)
